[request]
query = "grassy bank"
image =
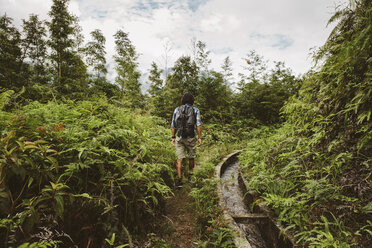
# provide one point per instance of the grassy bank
(314, 195)
(212, 229)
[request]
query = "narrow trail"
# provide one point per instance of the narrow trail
(179, 221)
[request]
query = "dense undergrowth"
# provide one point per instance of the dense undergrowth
(212, 228)
(89, 173)
(315, 171)
(81, 173)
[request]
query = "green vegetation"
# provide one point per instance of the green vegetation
(89, 162)
(315, 170)
(212, 228)
(81, 171)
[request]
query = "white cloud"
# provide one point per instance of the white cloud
(282, 30)
(211, 24)
(74, 8)
(21, 9)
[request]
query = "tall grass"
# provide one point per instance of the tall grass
(212, 228)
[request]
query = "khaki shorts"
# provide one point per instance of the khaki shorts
(186, 146)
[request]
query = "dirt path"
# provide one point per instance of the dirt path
(179, 220)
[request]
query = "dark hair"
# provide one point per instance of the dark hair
(187, 98)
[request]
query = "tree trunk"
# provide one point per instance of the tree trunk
(59, 69)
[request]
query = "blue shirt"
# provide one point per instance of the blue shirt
(196, 111)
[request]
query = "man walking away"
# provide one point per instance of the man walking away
(184, 120)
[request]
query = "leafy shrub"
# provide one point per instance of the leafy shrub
(316, 167)
(82, 169)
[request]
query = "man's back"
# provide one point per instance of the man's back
(184, 120)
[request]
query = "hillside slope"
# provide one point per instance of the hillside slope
(315, 171)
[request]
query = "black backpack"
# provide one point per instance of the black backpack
(185, 121)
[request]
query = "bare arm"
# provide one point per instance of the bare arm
(199, 131)
(174, 135)
(173, 132)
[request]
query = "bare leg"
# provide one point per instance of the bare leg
(179, 167)
(191, 164)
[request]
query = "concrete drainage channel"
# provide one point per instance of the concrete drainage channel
(255, 228)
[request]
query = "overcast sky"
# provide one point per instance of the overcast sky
(279, 30)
